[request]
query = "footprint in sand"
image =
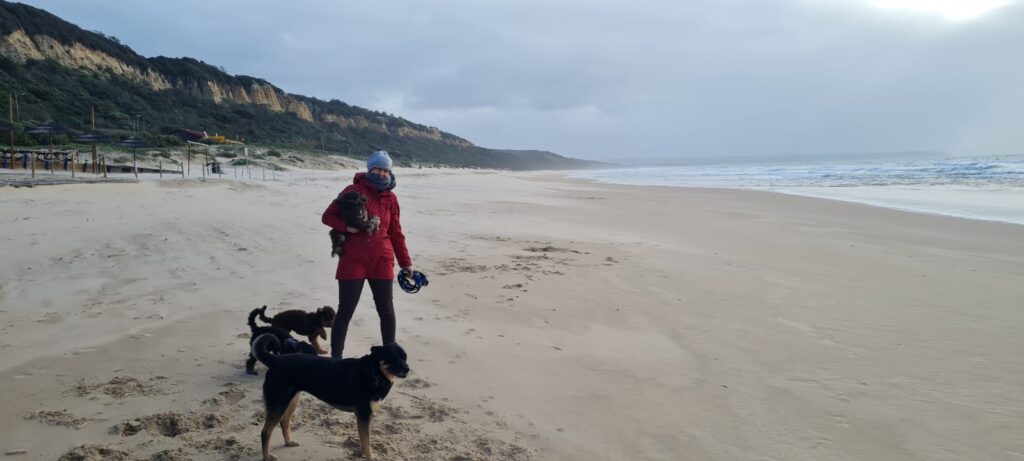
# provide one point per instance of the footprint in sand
(227, 447)
(51, 318)
(416, 383)
(170, 424)
(58, 418)
(94, 452)
(840, 420)
(233, 394)
(119, 387)
(177, 454)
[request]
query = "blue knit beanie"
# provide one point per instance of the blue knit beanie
(379, 159)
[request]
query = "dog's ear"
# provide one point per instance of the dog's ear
(376, 350)
(395, 350)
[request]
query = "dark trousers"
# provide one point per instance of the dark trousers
(348, 297)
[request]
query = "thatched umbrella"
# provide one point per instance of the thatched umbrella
(135, 143)
(9, 126)
(49, 128)
(92, 138)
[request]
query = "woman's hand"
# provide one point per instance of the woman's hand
(407, 270)
(351, 229)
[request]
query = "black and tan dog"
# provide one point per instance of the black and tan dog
(354, 385)
(289, 345)
(353, 212)
(308, 324)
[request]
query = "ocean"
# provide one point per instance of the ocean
(988, 188)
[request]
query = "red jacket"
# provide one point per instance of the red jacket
(370, 256)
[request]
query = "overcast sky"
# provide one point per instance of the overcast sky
(606, 79)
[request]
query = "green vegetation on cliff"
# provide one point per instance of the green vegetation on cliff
(195, 95)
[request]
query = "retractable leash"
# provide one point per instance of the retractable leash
(411, 283)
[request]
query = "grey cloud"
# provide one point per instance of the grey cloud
(611, 78)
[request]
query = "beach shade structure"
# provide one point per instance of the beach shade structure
(134, 143)
(9, 127)
(92, 138)
(49, 129)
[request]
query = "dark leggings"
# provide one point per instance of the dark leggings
(348, 297)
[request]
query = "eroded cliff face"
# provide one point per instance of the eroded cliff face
(21, 47)
(261, 94)
(364, 123)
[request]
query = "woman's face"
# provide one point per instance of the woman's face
(380, 172)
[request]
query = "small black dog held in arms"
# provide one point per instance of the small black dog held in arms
(353, 385)
(353, 212)
(308, 324)
(289, 345)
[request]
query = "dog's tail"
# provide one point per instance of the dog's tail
(263, 347)
(252, 318)
(263, 314)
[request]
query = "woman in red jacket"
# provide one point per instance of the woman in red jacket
(369, 256)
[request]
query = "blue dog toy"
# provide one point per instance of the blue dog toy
(411, 283)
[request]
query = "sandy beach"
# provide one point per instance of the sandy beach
(564, 320)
